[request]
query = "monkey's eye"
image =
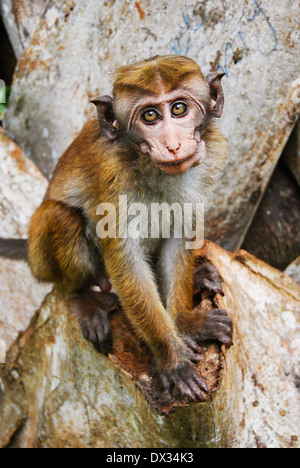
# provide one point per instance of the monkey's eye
(179, 109)
(150, 116)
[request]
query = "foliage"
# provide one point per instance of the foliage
(6, 91)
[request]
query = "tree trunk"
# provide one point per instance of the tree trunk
(274, 235)
(21, 18)
(22, 188)
(56, 390)
(75, 47)
(291, 156)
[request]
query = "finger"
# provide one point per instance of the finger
(213, 286)
(165, 383)
(195, 389)
(224, 339)
(166, 386)
(104, 340)
(221, 319)
(104, 324)
(185, 391)
(224, 328)
(218, 327)
(200, 383)
(219, 312)
(191, 343)
(195, 357)
(93, 337)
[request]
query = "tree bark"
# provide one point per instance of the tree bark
(56, 390)
(74, 49)
(293, 270)
(291, 156)
(274, 235)
(21, 18)
(22, 188)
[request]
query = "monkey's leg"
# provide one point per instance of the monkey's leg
(60, 252)
(196, 324)
(92, 310)
(135, 286)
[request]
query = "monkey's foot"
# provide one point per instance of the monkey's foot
(102, 280)
(215, 324)
(183, 382)
(92, 310)
(204, 323)
(193, 349)
(207, 278)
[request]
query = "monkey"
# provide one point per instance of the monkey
(155, 140)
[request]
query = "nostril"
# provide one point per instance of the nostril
(174, 148)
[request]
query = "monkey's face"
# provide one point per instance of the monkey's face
(164, 105)
(168, 128)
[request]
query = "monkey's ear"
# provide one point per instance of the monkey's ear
(106, 116)
(216, 92)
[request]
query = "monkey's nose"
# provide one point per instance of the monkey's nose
(174, 148)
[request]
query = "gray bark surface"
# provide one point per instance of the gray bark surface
(57, 391)
(22, 187)
(21, 19)
(71, 56)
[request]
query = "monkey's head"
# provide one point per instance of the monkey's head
(165, 106)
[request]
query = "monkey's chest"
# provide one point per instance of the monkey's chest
(161, 213)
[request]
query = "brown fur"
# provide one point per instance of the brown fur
(64, 248)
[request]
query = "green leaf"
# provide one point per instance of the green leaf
(3, 105)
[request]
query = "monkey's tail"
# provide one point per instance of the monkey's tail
(14, 249)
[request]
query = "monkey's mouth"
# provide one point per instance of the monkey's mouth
(176, 163)
(175, 167)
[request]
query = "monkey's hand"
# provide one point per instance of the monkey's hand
(207, 324)
(183, 382)
(207, 278)
(215, 325)
(92, 310)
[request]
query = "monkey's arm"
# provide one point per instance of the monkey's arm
(14, 249)
(134, 284)
(200, 323)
